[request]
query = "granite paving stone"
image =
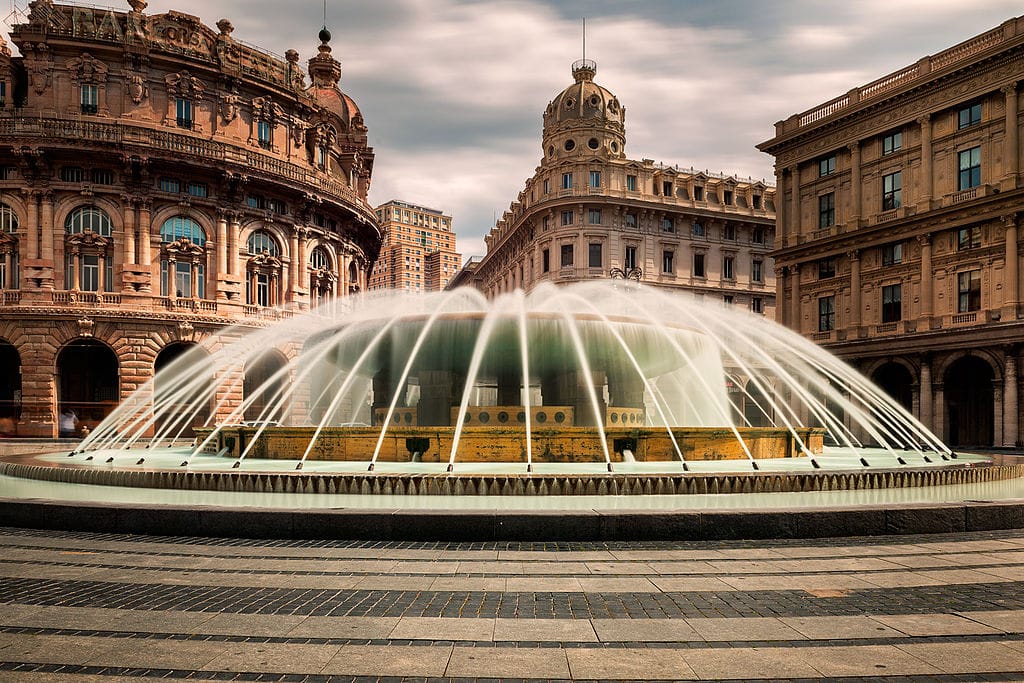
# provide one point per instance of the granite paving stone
(934, 624)
(745, 629)
(748, 663)
(553, 630)
(1007, 621)
(645, 630)
(368, 628)
(443, 628)
(273, 658)
(476, 662)
(57, 649)
(835, 628)
(881, 660)
(630, 664)
(157, 654)
(392, 660)
(967, 658)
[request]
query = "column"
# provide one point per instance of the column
(781, 310)
(926, 280)
(46, 219)
(194, 273)
(1011, 284)
(855, 184)
(222, 243)
(102, 280)
(253, 281)
(855, 303)
(293, 263)
(233, 235)
(1010, 408)
(939, 412)
(128, 210)
(32, 222)
(794, 212)
(76, 269)
(926, 160)
(795, 322)
(926, 392)
(781, 215)
(1011, 153)
(145, 228)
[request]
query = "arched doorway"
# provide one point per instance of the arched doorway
(969, 402)
(87, 382)
(757, 410)
(189, 406)
(10, 389)
(895, 380)
(264, 387)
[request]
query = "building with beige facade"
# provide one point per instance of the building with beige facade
(899, 207)
(418, 253)
(589, 211)
(159, 180)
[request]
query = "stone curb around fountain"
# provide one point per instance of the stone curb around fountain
(513, 525)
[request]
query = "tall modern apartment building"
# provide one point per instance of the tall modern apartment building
(899, 207)
(419, 249)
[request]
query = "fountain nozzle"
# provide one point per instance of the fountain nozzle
(753, 463)
(815, 464)
(238, 463)
(140, 461)
(610, 468)
(110, 459)
(451, 467)
(370, 468)
(299, 466)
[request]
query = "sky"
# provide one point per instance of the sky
(452, 91)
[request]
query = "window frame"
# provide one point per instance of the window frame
(826, 210)
(668, 261)
(827, 313)
(969, 297)
(595, 249)
(969, 115)
(892, 303)
(892, 190)
(969, 176)
(892, 142)
(826, 166)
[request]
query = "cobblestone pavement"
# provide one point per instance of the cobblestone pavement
(77, 607)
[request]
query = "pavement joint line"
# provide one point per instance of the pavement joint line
(599, 645)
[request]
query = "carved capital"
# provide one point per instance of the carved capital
(925, 240)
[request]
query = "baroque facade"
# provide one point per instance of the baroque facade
(899, 209)
(591, 212)
(418, 254)
(160, 180)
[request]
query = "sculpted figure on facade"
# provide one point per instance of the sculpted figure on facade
(183, 84)
(137, 88)
(229, 107)
(87, 69)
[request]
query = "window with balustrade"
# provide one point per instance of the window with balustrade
(892, 191)
(182, 259)
(90, 99)
(826, 313)
(968, 291)
(8, 248)
(88, 250)
(970, 168)
(263, 270)
(184, 113)
(892, 303)
(826, 210)
(264, 134)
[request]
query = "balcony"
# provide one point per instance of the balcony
(967, 195)
(95, 298)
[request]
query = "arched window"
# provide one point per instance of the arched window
(261, 242)
(321, 275)
(88, 218)
(8, 248)
(263, 284)
(88, 248)
(182, 258)
(353, 278)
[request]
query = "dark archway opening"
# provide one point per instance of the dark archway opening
(895, 380)
(264, 387)
(182, 407)
(969, 402)
(87, 383)
(10, 389)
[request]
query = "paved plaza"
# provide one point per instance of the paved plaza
(78, 607)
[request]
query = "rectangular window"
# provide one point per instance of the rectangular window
(727, 197)
(727, 299)
(72, 174)
(103, 176)
(757, 271)
(892, 191)
(568, 217)
(698, 229)
(90, 99)
(969, 116)
(547, 186)
(567, 256)
(826, 313)
(757, 236)
(595, 179)
(277, 206)
(757, 304)
(254, 201)
(892, 303)
(969, 291)
(728, 267)
(90, 273)
(757, 201)
(594, 216)
(263, 133)
(827, 166)
(668, 225)
(631, 183)
(826, 268)
(321, 158)
(629, 262)
(698, 193)
(545, 261)
(170, 185)
(262, 297)
(698, 266)
(3, 93)
(970, 168)
(666, 188)
(729, 232)
(668, 262)
(892, 254)
(968, 238)
(892, 142)
(198, 190)
(183, 109)
(594, 257)
(182, 279)
(827, 210)
(631, 220)
(567, 181)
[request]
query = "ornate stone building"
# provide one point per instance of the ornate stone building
(159, 180)
(591, 212)
(418, 254)
(899, 210)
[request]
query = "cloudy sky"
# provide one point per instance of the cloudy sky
(453, 91)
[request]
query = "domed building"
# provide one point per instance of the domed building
(159, 180)
(591, 212)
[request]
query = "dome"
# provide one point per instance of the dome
(585, 117)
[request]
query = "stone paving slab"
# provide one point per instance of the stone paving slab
(544, 630)
(1007, 621)
(473, 662)
(881, 660)
(934, 624)
(273, 658)
(369, 628)
(836, 628)
(633, 664)
(392, 660)
(967, 658)
(441, 628)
